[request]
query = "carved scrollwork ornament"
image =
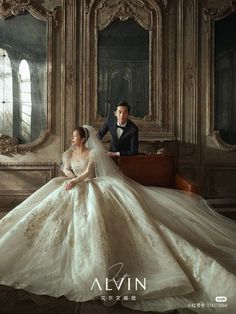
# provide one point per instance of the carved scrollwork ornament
(46, 174)
(217, 13)
(189, 76)
(69, 75)
(88, 3)
(148, 117)
(15, 7)
(8, 144)
(123, 10)
(221, 144)
(9, 7)
(56, 16)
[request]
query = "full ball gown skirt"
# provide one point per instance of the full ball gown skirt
(73, 243)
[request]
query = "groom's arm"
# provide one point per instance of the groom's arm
(103, 130)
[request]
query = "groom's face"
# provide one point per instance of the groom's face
(122, 114)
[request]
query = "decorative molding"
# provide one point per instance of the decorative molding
(56, 17)
(188, 72)
(42, 171)
(35, 144)
(220, 13)
(221, 144)
(23, 165)
(13, 7)
(86, 6)
(70, 35)
(70, 4)
(165, 3)
(189, 76)
(120, 3)
(9, 145)
(189, 5)
(220, 180)
(160, 146)
(148, 117)
(69, 75)
(187, 149)
(139, 10)
(217, 13)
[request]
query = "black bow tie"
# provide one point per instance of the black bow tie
(121, 127)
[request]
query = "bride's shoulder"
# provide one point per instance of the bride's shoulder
(91, 154)
(67, 154)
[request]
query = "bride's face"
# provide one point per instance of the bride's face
(76, 139)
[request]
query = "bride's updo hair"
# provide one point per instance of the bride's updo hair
(83, 132)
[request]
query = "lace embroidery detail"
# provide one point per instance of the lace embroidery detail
(35, 223)
(55, 231)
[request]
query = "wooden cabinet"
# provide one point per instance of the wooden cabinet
(155, 170)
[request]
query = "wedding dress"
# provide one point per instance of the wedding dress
(155, 249)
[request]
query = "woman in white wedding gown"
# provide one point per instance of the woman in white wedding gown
(97, 234)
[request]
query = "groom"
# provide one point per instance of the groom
(123, 131)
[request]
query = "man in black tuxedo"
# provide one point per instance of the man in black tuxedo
(123, 131)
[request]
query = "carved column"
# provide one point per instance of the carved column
(69, 71)
(188, 49)
(188, 94)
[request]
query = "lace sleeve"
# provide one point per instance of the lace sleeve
(66, 164)
(89, 170)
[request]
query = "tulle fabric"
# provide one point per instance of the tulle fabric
(57, 242)
(104, 164)
(201, 225)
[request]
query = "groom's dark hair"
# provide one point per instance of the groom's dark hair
(124, 104)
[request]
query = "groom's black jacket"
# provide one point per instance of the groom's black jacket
(127, 143)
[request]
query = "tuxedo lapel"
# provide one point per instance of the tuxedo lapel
(114, 131)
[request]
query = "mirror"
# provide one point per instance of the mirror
(23, 89)
(225, 78)
(124, 54)
(26, 70)
(23, 78)
(220, 27)
(123, 68)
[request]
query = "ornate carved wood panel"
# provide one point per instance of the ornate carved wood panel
(216, 177)
(24, 178)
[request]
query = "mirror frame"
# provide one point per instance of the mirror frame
(211, 15)
(94, 16)
(9, 8)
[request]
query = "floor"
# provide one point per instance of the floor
(14, 301)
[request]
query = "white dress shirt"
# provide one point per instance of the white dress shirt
(119, 131)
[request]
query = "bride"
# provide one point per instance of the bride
(98, 235)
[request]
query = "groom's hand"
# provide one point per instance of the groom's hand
(113, 153)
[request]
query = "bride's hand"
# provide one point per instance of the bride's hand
(70, 185)
(70, 175)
